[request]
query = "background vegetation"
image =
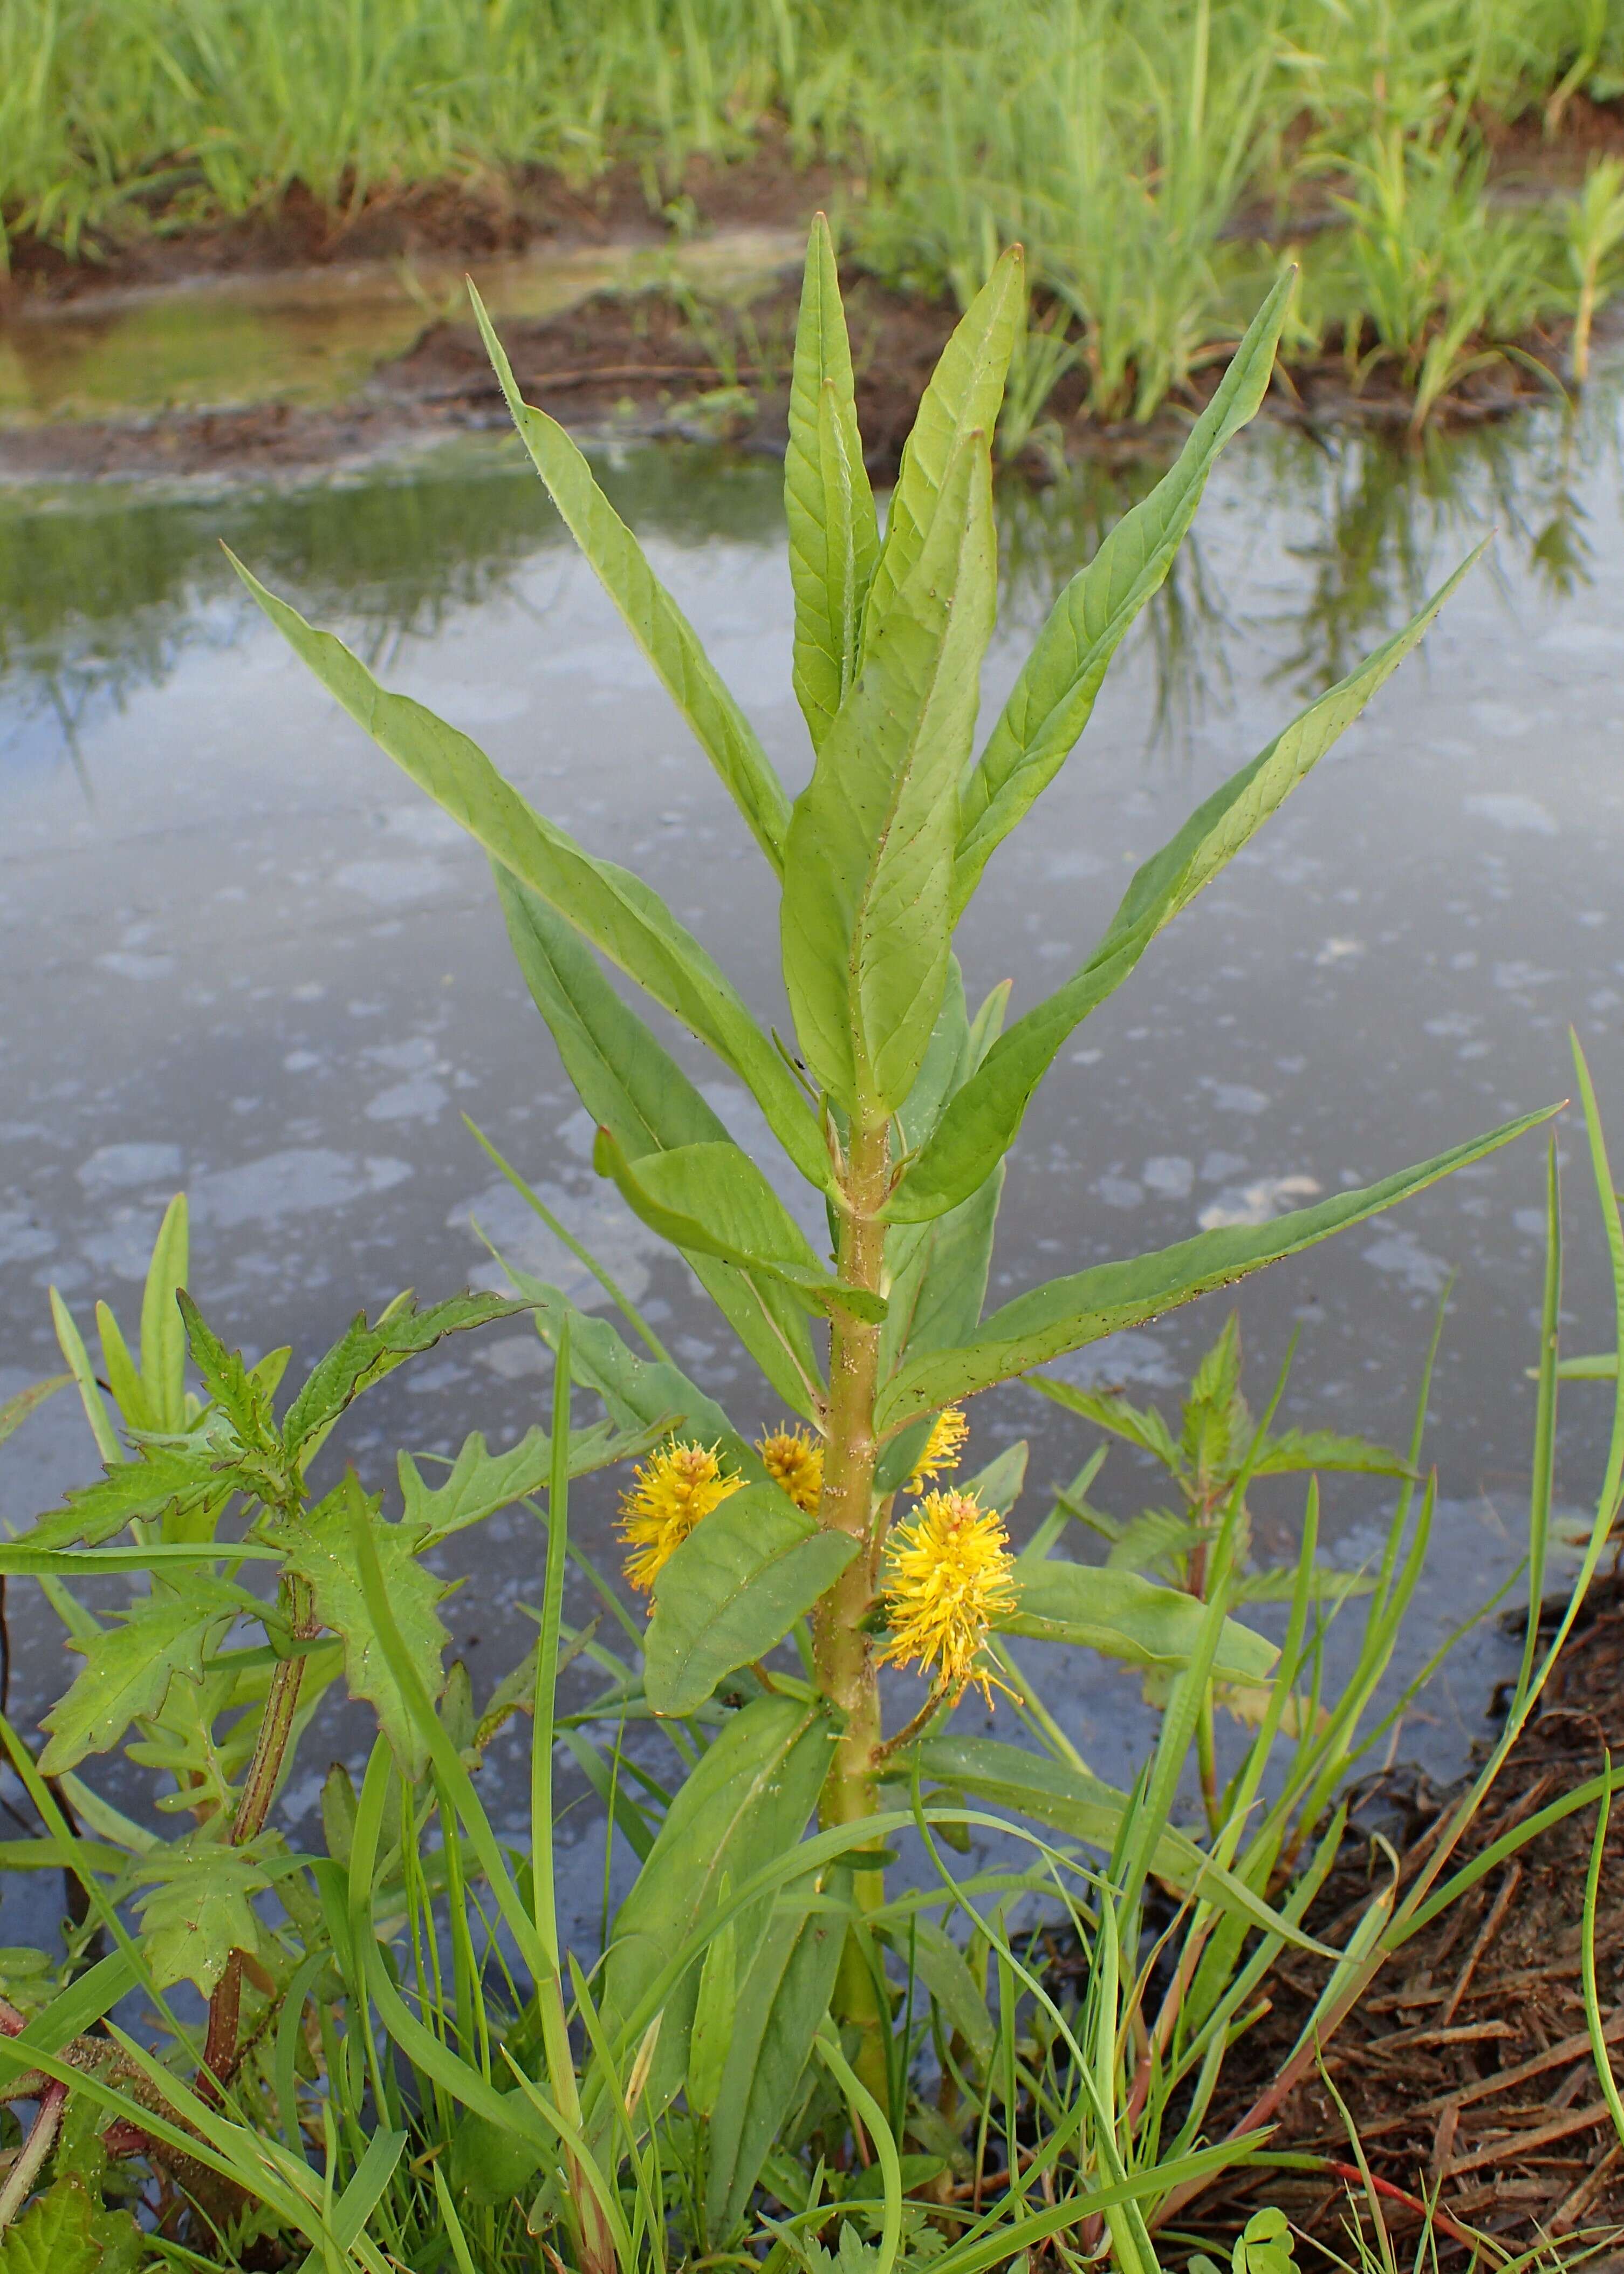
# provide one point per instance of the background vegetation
(1155, 161)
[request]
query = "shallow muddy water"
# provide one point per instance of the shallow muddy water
(243, 956)
(314, 336)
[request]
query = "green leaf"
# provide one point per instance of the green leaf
(198, 1908)
(1264, 2245)
(744, 1803)
(130, 1491)
(1296, 1449)
(626, 1079)
(981, 1122)
(962, 399)
(784, 1996)
(869, 858)
(321, 1550)
(490, 2164)
(1080, 1806)
(609, 906)
(228, 1380)
(365, 1354)
(1054, 696)
(1067, 1312)
(16, 1409)
(22, 1560)
(480, 1482)
(941, 1967)
(1000, 1484)
(1123, 1615)
(732, 1591)
(637, 1392)
(163, 1337)
(55, 2235)
(1108, 1410)
(833, 533)
(652, 617)
(713, 2019)
(129, 1666)
(712, 1200)
(122, 1374)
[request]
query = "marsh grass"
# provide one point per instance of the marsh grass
(1157, 161)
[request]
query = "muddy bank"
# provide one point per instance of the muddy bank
(1468, 2072)
(655, 362)
(528, 210)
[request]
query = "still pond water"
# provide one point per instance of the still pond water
(243, 956)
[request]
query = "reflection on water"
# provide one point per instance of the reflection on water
(101, 590)
(314, 336)
(243, 955)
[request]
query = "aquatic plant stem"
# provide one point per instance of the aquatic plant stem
(842, 1652)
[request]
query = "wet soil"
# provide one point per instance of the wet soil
(1467, 2072)
(528, 210)
(646, 365)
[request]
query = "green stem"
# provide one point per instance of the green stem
(843, 1653)
(259, 1790)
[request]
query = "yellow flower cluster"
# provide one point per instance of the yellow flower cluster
(675, 1488)
(940, 1458)
(794, 1461)
(949, 1574)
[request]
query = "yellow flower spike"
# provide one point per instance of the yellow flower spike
(676, 1487)
(949, 1573)
(941, 1455)
(794, 1461)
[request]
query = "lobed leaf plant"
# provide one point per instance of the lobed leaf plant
(774, 2022)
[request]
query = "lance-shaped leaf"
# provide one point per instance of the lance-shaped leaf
(365, 1354)
(130, 1666)
(609, 906)
(732, 1591)
(163, 1341)
(652, 617)
(623, 1075)
(980, 1123)
(833, 533)
(746, 1803)
(1079, 1805)
(1123, 1615)
(637, 1392)
(632, 1086)
(784, 1996)
(1051, 701)
(712, 1200)
(962, 399)
(869, 855)
(322, 1551)
(1068, 1312)
(17, 1410)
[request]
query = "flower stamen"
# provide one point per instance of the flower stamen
(949, 1574)
(676, 1487)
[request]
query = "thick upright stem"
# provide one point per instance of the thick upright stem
(844, 1652)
